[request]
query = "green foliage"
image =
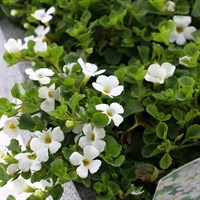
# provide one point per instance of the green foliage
(160, 128)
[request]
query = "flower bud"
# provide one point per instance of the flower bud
(13, 12)
(146, 172)
(26, 25)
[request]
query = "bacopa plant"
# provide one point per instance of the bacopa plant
(111, 96)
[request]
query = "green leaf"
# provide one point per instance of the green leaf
(6, 108)
(178, 114)
(57, 192)
(10, 197)
(151, 150)
(100, 120)
(112, 56)
(195, 9)
(113, 187)
(74, 101)
(14, 146)
(144, 52)
(165, 28)
(58, 168)
(165, 161)
(158, 4)
(186, 81)
(26, 122)
(117, 162)
(153, 110)
(15, 91)
(99, 187)
(161, 130)
(133, 106)
(193, 132)
(113, 149)
(3, 175)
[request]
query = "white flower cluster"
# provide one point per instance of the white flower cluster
(14, 46)
(91, 139)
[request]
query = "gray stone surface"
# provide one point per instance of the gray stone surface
(8, 77)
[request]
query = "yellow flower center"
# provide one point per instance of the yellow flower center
(106, 90)
(47, 139)
(50, 94)
(92, 137)
(40, 75)
(110, 114)
(12, 126)
(186, 61)
(179, 29)
(86, 162)
(32, 157)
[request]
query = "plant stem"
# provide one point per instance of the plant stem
(185, 146)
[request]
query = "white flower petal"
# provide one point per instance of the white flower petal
(180, 40)
(35, 144)
(46, 19)
(169, 69)
(54, 146)
(76, 158)
(43, 92)
(188, 32)
(83, 142)
(36, 166)
(117, 91)
(82, 171)
(97, 86)
(182, 20)
(90, 152)
(102, 107)
(29, 72)
(94, 166)
(117, 119)
(47, 105)
(42, 154)
(51, 10)
(99, 145)
(57, 134)
(115, 106)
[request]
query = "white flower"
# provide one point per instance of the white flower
(12, 168)
(17, 103)
(40, 46)
(89, 69)
(45, 141)
(137, 190)
(43, 16)
(93, 136)
(181, 31)
(112, 112)
(20, 186)
(28, 161)
(108, 85)
(169, 6)
(11, 127)
(27, 39)
(3, 154)
(185, 61)
(41, 75)
(3, 120)
(13, 12)
(86, 161)
(68, 68)
(41, 31)
(13, 46)
(50, 95)
(158, 73)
